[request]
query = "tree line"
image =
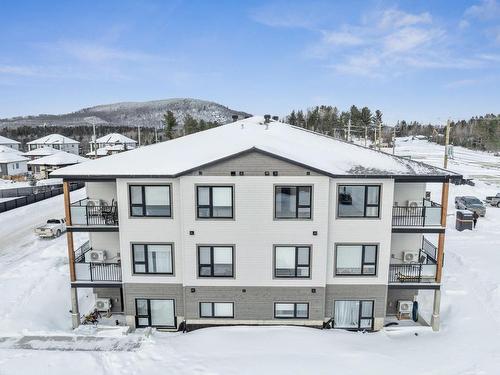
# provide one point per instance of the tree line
(330, 121)
(479, 132)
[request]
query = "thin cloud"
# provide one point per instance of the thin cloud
(486, 10)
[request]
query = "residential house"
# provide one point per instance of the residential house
(38, 153)
(57, 141)
(107, 142)
(41, 167)
(258, 222)
(12, 164)
(7, 142)
(106, 151)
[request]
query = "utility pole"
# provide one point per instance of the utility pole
(138, 135)
(95, 144)
(379, 134)
(349, 131)
(366, 134)
(394, 140)
(446, 143)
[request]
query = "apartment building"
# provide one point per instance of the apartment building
(257, 222)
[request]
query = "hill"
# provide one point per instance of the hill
(131, 114)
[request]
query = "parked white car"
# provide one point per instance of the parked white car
(53, 228)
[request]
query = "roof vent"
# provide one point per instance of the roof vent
(276, 118)
(267, 118)
(235, 118)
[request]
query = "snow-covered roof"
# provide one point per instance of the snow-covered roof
(9, 149)
(42, 151)
(52, 139)
(115, 138)
(59, 158)
(315, 151)
(103, 151)
(8, 141)
(11, 157)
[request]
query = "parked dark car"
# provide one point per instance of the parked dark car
(470, 203)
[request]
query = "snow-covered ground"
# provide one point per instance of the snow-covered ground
(10, 184)
(34, 296)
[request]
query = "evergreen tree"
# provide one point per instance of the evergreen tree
(292, 119)
(169, 123)
(190, 125)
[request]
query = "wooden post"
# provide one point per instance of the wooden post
(69, 235)
(444, 209)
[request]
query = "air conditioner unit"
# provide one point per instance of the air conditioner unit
(95, 256)
(410, 257)
(405, 307)
(103, 304)
(414, 203)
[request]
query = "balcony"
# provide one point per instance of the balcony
(103, 271)
(426, 215)
(423, 271)
(94, 213)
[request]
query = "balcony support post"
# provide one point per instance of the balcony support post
(69, 235)
(440, 249)
(75, 312)
(435, 310)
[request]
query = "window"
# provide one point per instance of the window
(215, 261)
(356, 260)
(292, 261)
(150, 200)
(291, 310)
(292, 202)
(214, 202)
(216, 310)
(155, 312)
(353, 314)
(152, 258)
(358, 201)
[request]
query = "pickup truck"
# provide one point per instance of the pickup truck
(53, 228)
(470, 203)
(493, 200)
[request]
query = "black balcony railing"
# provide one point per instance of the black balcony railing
(87, 212)
(428, 214)
(80, 252)
(423, 271)
(95, 271)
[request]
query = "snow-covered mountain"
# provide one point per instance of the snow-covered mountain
(147, 114)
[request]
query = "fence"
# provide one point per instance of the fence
(31, 195)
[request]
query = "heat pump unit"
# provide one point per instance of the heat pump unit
(103, 304)
(414, 204)
(405, 307)
(95, 256)
(410, 256)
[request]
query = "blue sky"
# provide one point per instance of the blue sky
(414, 60)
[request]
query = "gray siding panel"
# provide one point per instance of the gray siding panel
(131, 291)
(378, 293)
(257, 303)
(254, 164)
